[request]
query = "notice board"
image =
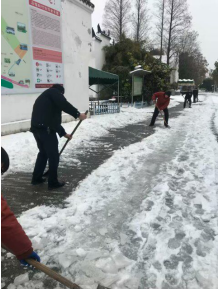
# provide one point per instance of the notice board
(137, 82)
(31, 47)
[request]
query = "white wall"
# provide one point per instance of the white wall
(174, 75)
(98, 52)
(98, 57)
(77, 32)
(77, 48)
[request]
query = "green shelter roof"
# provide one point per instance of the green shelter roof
(101, 77)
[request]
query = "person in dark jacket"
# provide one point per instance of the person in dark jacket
(161, 100)
(188, 97)
(45, 123)
(13, 237)
(195, 95)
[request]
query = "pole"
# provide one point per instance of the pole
(132, 88)
(98, 95)
(118, 92)
(142, 91)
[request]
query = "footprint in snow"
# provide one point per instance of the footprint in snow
(172, 262)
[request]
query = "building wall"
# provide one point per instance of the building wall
(174, 76)
(98, 57)
(98, 52)
(77, 48)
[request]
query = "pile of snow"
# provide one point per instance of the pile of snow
(215, 117)
(146, 218)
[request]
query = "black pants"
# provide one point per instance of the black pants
(195, 98)
(48, 150)
(189, 100)
(156, 112)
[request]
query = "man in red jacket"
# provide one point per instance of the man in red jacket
(13, 237)
(161, 100)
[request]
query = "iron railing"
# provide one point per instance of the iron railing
(103, 108)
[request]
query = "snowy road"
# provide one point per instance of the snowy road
(146, 218)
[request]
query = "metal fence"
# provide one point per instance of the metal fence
(125, 104)
(140, 104)
(106, 108)
(136, 104)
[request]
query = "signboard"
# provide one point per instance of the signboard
(31, 45)
(137, 82)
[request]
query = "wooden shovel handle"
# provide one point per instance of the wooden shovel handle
(52, 274)
(47, 172)
(72, 134)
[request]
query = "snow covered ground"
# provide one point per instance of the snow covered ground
(146, 218)
(22, 146)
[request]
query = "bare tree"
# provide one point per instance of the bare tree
(162, 30)
(179, 20)
(192, 64)
(188, 42)
(160, 24)
(117, 17)
(140, 21)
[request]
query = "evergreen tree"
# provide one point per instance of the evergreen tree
(124, 56)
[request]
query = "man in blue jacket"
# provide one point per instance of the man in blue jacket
(45, 123)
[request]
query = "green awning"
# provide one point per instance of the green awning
(101, 77)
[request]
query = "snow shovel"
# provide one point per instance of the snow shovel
(162, 116)
(47, 172)
(164, 119)
(56, 276)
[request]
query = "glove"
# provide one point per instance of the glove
(34, 256)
